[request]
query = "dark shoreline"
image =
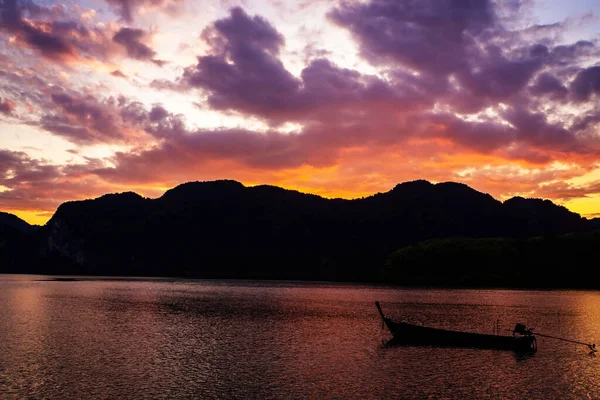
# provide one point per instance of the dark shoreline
(125, 278)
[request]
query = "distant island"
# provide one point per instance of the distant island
(418, 233)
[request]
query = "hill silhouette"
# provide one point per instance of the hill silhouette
(14, 222)
(222, 229)
(16, 244)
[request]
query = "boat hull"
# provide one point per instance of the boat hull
(410, 334)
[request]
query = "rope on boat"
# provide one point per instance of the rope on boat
(591, 346)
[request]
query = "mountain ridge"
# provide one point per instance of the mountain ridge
(223, 229)
(8, 219)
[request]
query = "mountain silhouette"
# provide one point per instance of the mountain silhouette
(14, 222)
(222, 229)
(16, 244)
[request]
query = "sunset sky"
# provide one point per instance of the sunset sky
(337, 98)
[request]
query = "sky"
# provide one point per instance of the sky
(332, 97)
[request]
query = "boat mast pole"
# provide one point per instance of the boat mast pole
(379, 309)
(382, 315)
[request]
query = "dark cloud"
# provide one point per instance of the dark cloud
(497, 76)
(566, 55)
(243, 32)
(131, 39)
(526, 135)
(586, 84)
(243, 73)
(459, 51)
(548, 84)
(466, 42)
(533, 128)
(429, 35)
(50, 44)
(581, 123)
(158, 113)
(11, 15)
(86, 110)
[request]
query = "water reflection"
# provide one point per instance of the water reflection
(208, 339)
(518, 355)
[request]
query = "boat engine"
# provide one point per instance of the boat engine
(522, 330)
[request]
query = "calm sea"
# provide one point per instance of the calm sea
(179, 339)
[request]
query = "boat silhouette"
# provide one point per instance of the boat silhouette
(521, 340)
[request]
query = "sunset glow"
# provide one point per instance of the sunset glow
(332, 97)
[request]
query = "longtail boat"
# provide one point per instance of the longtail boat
(521, 340)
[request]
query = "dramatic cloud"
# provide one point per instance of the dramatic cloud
(429, 36)
(453, 49)
(369, 94)
(244, 73)
(465, 42)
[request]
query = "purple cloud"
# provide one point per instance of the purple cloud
(462, 41)
(430, 35)
(48, 43)
(547, 84)
(494, 75)
(243, 72)
(86, 120)
(533, 128)
(465, 61)
(131, 39)
(586, 83)
(158, 113)
(58, 40)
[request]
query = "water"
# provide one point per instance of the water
(176, 339)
